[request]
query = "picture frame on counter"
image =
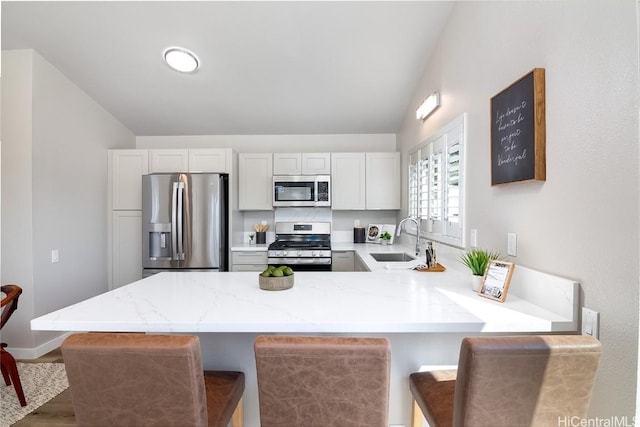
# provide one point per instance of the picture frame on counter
(495, 283)
(373, 232)
(376, 231)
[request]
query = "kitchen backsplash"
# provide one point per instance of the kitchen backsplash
(342, 222)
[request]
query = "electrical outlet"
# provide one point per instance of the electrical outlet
(474, 238)
(55, 256)
(590, 322)
(512, 244)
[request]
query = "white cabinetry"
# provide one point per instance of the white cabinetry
(248, 261)
(342, 261)
(316, 163)
(195, 160)
(126, 168)
(361, 181)
(287, 164)
(359, 265)
(255, 181)
(301, 163)
(348, 181)
(126, 253)
(169, 161)
(383, 180)
(209, 160)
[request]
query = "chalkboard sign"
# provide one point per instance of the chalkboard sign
(518, 131)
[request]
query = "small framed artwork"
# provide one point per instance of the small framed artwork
(495, 282)
(373, 232)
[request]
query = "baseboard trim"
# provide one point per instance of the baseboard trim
(34, 353)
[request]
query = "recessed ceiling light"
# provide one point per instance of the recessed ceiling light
(181, 59)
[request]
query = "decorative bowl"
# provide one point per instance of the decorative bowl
(275, 283)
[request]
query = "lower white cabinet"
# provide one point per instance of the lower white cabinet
(342, 261)
(359, 265)
(126, 252)
(248, 261)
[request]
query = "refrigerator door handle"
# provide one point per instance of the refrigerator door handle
(180, 219)
(174, 234)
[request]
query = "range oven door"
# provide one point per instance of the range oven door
(301, 264)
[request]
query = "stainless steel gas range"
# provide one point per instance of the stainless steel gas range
(305, 246)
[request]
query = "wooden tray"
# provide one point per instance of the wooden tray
(438, 268)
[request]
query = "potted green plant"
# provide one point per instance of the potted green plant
(477, 259)
(386, 237)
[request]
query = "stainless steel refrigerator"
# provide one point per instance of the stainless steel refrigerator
(184, 222)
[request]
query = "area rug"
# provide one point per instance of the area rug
(41, 382)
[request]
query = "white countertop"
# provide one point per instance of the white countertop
(381, 301)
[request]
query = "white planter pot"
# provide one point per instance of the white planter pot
(476, 282)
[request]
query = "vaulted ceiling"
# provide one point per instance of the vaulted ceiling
(295, 67)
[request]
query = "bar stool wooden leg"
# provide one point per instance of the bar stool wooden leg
(237, 419)
(416, 415)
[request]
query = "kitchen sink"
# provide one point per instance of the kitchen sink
(392, 257)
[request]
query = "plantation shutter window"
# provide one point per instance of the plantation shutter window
(436, 184)
(413, 183)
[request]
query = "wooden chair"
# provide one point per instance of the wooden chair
(7, 362)
(323, 381)
(510, 381)
(128, 379)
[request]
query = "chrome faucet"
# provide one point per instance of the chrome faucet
(417, 222)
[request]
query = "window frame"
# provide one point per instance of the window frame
(434, 212)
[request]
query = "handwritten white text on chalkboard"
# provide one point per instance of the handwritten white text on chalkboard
(512, 158)
(508, 122)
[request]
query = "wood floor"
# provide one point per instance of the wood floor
(58, 412)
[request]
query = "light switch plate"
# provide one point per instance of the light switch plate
(55, 257)
(474, 238)
(512, 244)
(590, 322)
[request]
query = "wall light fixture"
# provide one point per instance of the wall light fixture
(428, 106)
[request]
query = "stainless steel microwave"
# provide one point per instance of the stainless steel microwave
(301, 190)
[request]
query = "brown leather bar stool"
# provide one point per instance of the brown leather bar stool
(7, 362)
(323, 381)
(510, 381)
(119, 379)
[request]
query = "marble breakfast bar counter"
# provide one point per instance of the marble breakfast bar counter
(424, 315)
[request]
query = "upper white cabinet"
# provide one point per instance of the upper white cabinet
(195, 160)
(348, 181)
(361, 181)
(126, 170)
(212, 160)
(255, 184)
(316, 163)
(383, 180)
(169, 160)
(301, 163)
(287, 164)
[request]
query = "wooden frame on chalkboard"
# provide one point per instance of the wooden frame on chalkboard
(495, 282)
(518, 131)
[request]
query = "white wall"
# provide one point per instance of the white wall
(17, 233)
(275, 143)
(583, 221)
(56, 155)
